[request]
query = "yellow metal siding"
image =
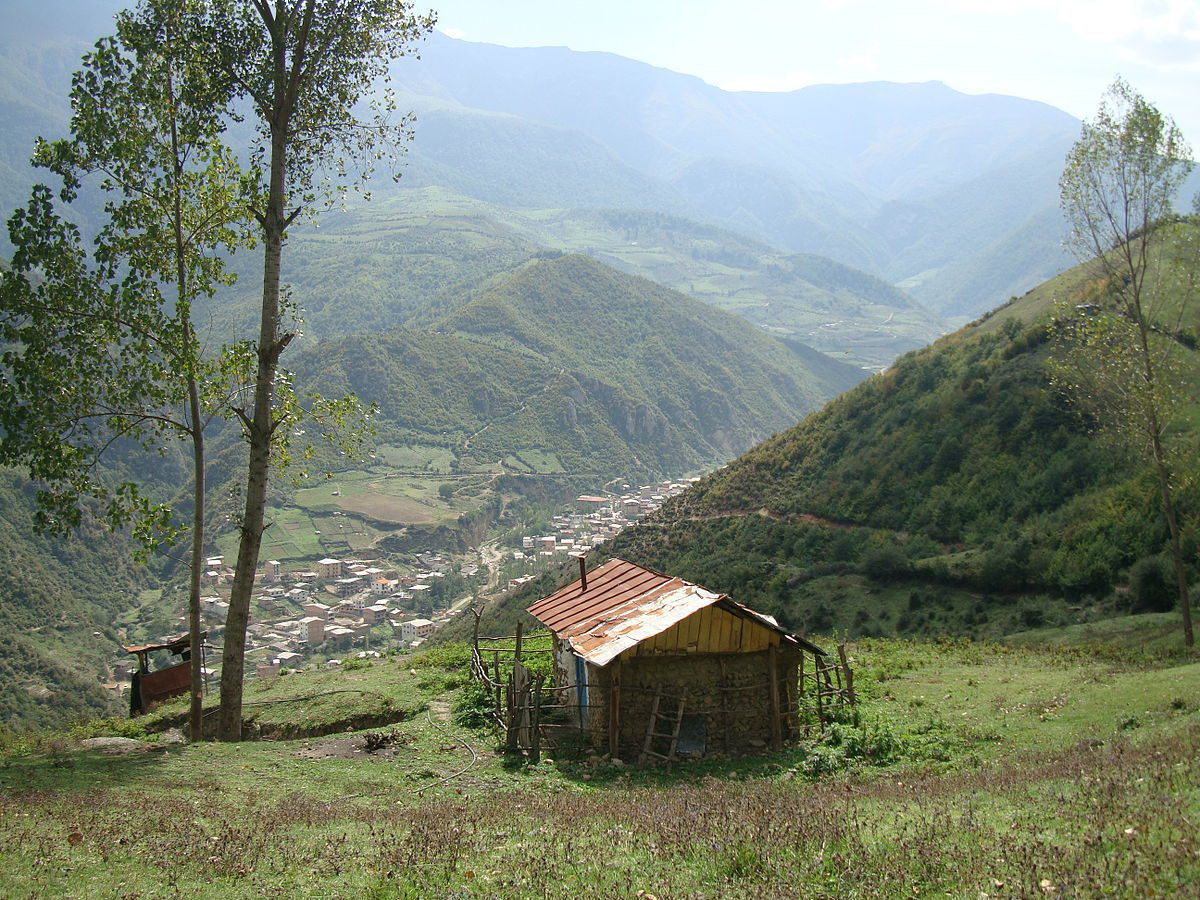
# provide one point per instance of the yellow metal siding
(709, 630)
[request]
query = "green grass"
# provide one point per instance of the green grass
(976, 768)
(419, 457)
(1150, 634)
(350, 511)
(325, 701)
(385, 498)
(541, 462)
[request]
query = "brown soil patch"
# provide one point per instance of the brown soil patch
(440, 710)
(392, 744)
(385, 508)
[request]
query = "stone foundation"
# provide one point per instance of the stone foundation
(730, 693)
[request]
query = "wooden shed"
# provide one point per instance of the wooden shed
(656, 666)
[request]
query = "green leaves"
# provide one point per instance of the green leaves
(100, 349)
(1119, 355)
(1122, 176)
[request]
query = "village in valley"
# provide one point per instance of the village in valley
(318, 612)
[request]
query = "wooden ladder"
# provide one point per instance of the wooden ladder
(653, 733)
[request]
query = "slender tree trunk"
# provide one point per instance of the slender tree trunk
(1181, 579)
(260, 428)
(1162, 470)
(195, 644)
(196, 432)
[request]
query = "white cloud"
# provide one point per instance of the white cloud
(1162, 34)
(450, 31)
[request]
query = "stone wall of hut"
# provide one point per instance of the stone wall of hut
(729, 692)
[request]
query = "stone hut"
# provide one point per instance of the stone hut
(644, 659)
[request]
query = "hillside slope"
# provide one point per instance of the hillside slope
(412, 257)
(60, 606)
(958, 467)
(608, 373)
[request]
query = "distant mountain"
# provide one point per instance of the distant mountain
(607, 373)
(880, 176)
(919, 185)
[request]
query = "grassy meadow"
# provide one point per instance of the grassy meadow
(351, 510)
(970, 769)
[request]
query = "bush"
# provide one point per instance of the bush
(473, 706)
(885, 562)
(1004, 567)
(1152, 585)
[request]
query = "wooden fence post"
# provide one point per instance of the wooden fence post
(512, 713)
(820, 692)
(849, 675)
(499, 685)
(535, 715)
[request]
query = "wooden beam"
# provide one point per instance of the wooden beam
(776, 714)
(614, 711)
(535, 734)
(792, 712)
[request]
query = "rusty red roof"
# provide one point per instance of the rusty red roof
(176, 645)
(625, 604)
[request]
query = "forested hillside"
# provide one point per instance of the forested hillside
(958, 474)
(413, 257)
(606, 373)
(60, 604)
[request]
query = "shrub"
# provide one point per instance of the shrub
(473, 706)
(884, 562)
(1152, 585)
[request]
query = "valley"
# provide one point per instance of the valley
(661, 484)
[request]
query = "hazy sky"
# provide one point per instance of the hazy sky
(1063, 52)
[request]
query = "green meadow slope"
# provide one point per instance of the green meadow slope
(968, 769)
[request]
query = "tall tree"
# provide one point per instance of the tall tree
(102, 346)
(303, 66)
(1118, 190)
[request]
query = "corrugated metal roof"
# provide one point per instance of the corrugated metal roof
(625, 604)
(608, 586)
(175, 645)
(640, 618)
